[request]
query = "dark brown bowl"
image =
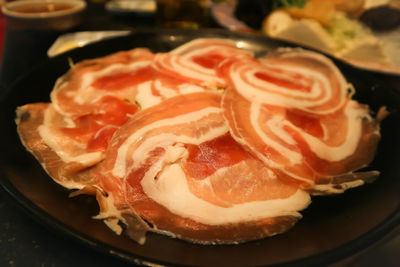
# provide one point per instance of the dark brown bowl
(333, 228)
(44, 15)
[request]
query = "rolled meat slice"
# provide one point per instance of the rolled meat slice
(293, 111)
(90, 102)
(66, 146)
(196, 61)
(175, 169)
(139, 76)
(187, 69)
(163, 150)
(40, 129)
(77, 92)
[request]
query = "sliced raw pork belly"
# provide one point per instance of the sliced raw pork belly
(139, 76)
(78, 91)
(204, 143)
(175, 169)
(63, 157)
(89, 103)
(196, 61)
(71, 134)
(293, 111)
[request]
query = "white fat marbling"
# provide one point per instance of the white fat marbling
(186, 67)
(57, 144)
(165, 139)
(293, 156)
(86, 93)
(145, 96)
(354, 116)
(259, 90)
(171, 190)
(190, 88)
(164, 91)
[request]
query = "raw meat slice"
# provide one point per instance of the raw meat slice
(292, 111)
(63, 158)
(196, 61)
(66, 146)
(118, 75)
(180, 171)
(205, 143)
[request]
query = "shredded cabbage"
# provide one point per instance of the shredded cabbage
(288, 3)
(344, 30)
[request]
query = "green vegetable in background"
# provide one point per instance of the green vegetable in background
(344, 30)
(288, 3)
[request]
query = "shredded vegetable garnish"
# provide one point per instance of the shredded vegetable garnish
(344, 30)
(71, 62)
(138, 105)
(288, 3)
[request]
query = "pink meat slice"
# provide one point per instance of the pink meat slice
(197, 60)
(64, 158)
(293, 111)
(118, 75)
(204, 143)
(187, 152)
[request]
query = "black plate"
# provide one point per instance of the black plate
(332, 228)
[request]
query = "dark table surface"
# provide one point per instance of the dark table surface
(26, 242)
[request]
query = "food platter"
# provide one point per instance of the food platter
(225, 15)
(332, 228)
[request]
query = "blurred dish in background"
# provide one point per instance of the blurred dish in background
(381, 14)
(322, 26)
(331, 26)
(144, 7)
(44, 15)
(191, 14)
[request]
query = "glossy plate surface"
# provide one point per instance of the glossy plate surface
(332, 228)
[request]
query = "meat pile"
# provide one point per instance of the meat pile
(205, 143)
